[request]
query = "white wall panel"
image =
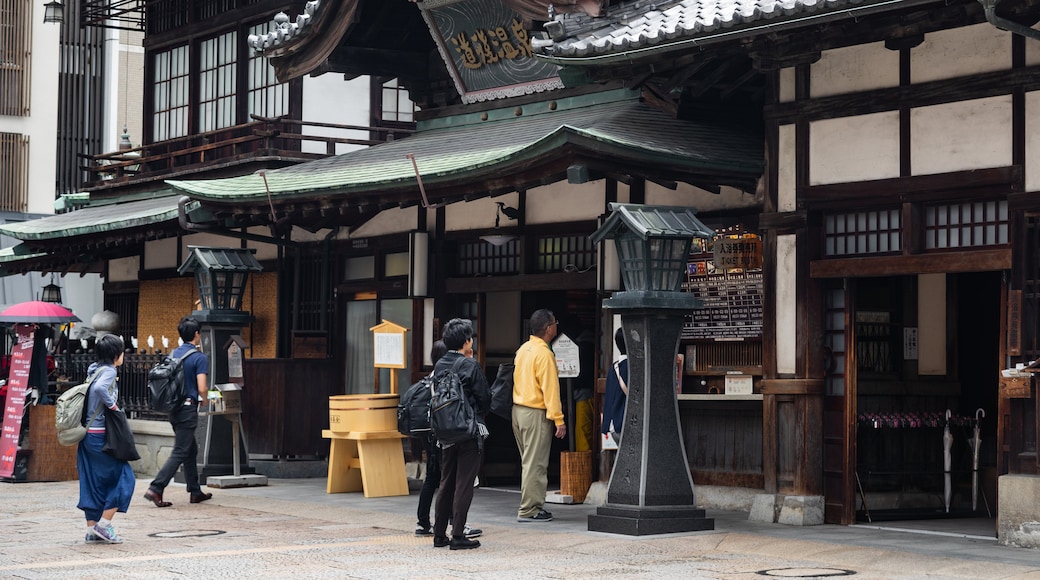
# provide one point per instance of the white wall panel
(1032, 53)
(787, 85)
(124, 269)
(959, 52)
(960, 136)
(388, 221)
(687, 195)
(479, 213)
(1033, 141)
(160, 254)
(786, 305)
(787, 157)
(566, 202)
(842, 70)
(854, 148)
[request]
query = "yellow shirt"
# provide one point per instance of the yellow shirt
(536, 382)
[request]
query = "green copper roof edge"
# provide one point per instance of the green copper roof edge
(19, 231)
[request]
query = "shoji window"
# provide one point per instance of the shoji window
(217, 57)
(170, 116)
(396, 106)
(267, 97)
(961, 225)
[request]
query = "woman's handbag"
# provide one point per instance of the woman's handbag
(119, 439)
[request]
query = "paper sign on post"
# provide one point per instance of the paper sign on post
(566, 352)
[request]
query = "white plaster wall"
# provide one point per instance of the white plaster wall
(854, 148)
(124, 269)
(786, 85)
(266, 251)
(566, 202)
(931, 316)
(478, 214)
(787, 157)
(1033, 140)
(959, 52)
(42, 123)
(330, 99)
(960, 136)
(83, 295)
(1032, 52)
(389, 221)
(160, 254)
(841, 70)
(207, 240)
(786, 305)
(686, 195)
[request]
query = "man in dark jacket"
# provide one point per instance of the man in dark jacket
(460, 461)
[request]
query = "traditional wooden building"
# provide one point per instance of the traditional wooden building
(902, 169)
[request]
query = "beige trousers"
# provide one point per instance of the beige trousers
(534, 434)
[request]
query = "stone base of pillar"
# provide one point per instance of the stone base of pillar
(1018, 519)
(633, 521)
(765, 508)
(801, 510)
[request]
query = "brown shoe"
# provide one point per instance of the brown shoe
(200, 497)
(156, 498)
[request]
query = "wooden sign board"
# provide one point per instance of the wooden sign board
(744, 253)
(390, 350)
(1014, 323)
(487, 49)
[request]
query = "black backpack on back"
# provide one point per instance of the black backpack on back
(166, 383)
(451, 416)
(413, 412)
(502, 392)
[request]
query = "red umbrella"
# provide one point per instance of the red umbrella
(37, 311)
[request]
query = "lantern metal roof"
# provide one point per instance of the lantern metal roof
(652, 221)
(220, 259)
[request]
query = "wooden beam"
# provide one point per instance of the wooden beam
(998, 182)
(963, 261)
(525, 283)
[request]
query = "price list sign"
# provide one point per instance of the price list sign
(732, 304)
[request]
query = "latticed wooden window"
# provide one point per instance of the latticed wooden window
(863, 232)
(267, 96)
(217, 58)
(170, 110)
(395, 104)
(566, 254)
(481, 258)
(962, 225)
(15, 50)
(14, 172)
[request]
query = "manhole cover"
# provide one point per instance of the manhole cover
(186, 534)
(805, 572)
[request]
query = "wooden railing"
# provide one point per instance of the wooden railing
(262, 137)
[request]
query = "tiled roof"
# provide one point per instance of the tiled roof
(94, 220)
(282, 31)
(646, 24)
(470, 149)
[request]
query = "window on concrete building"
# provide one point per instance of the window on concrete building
(14, 172)
(217, 82)
(15, 50)
(395, 104)
(170, 107)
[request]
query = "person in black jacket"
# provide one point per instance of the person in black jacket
(460, 461)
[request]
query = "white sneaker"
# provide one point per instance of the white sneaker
(107, 534)
(472, 532)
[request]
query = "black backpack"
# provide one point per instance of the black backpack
(413, 412)
(502, 392)
(166, 384)
(451, 416)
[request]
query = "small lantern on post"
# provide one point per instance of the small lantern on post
(221, 275)
(653, 244)
(53, 12)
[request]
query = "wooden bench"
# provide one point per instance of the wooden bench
(372, 462)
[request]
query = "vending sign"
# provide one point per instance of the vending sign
(14, 406)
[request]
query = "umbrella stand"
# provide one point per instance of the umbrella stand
(947, 461)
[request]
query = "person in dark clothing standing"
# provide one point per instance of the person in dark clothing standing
(460, 461)
(185, 419)
(616, 394)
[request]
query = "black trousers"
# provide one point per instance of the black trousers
(459, 466)
(185, 451)
(431, 482)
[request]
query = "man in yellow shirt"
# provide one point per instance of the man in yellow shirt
(537, 414)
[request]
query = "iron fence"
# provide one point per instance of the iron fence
(133, 379)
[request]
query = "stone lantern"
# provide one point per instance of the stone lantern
(650, 489)
(220, 275)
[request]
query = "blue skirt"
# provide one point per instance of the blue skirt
(104, 481)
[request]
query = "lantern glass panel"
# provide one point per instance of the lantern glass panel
(668, 262)
(204, 280)
(633, 261)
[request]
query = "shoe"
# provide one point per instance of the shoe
(106, 534)
(440, 541)
(472, 532)
(92, 539)
(156, 498)
(200, 497)
(541, 516)
(421, 531)
(463, 543)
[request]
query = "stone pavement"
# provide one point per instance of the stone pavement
(292, 528)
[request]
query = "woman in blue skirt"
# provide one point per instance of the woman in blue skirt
(106, 484)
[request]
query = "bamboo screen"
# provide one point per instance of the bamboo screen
(14, 171)
(15, 48)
